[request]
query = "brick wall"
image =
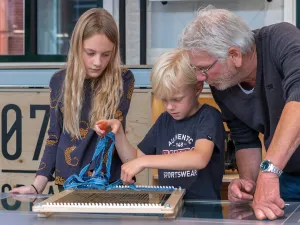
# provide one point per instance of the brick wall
(16, 23)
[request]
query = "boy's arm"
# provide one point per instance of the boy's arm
(188, 160)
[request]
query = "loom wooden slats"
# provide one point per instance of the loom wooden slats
(113, 201)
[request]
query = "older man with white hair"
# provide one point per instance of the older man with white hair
(255, 80)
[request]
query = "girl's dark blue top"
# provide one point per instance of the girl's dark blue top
(65, 155)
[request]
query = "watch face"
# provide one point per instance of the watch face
(264, 165)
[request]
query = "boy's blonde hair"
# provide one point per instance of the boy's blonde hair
(171, 72)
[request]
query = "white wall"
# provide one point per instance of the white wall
(169, 20)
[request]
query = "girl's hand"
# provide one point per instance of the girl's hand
(102, 127)
(24, 190)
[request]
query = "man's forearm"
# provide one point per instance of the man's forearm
(287, 136)
(248, 161)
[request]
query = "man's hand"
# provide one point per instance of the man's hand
(267, 203)
(241, 190)
(130, 169)
(239, 211)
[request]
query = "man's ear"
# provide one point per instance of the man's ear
(236, 57)
(199, 87)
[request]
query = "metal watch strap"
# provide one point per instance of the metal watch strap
(275, 169)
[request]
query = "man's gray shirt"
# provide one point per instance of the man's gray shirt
(277, 83)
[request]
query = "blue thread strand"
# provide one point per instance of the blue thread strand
(98, 180)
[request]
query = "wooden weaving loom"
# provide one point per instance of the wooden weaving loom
(149, 200)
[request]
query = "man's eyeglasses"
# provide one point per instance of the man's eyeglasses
(204, 71)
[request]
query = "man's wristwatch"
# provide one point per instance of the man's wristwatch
(267, 166)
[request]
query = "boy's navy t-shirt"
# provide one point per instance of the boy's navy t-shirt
(170, 136)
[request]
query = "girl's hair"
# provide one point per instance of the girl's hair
(171, 72)
(215, 31)
(107, 88)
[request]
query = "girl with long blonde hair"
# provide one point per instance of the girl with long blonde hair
(91, 87)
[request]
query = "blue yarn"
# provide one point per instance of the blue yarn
(99, 180)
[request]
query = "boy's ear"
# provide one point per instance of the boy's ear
(199, 87)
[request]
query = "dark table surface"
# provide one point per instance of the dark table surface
(17, 210)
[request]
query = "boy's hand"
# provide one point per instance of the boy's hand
(130, 169)
(102, 127)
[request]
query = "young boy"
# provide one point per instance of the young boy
(186, 143)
